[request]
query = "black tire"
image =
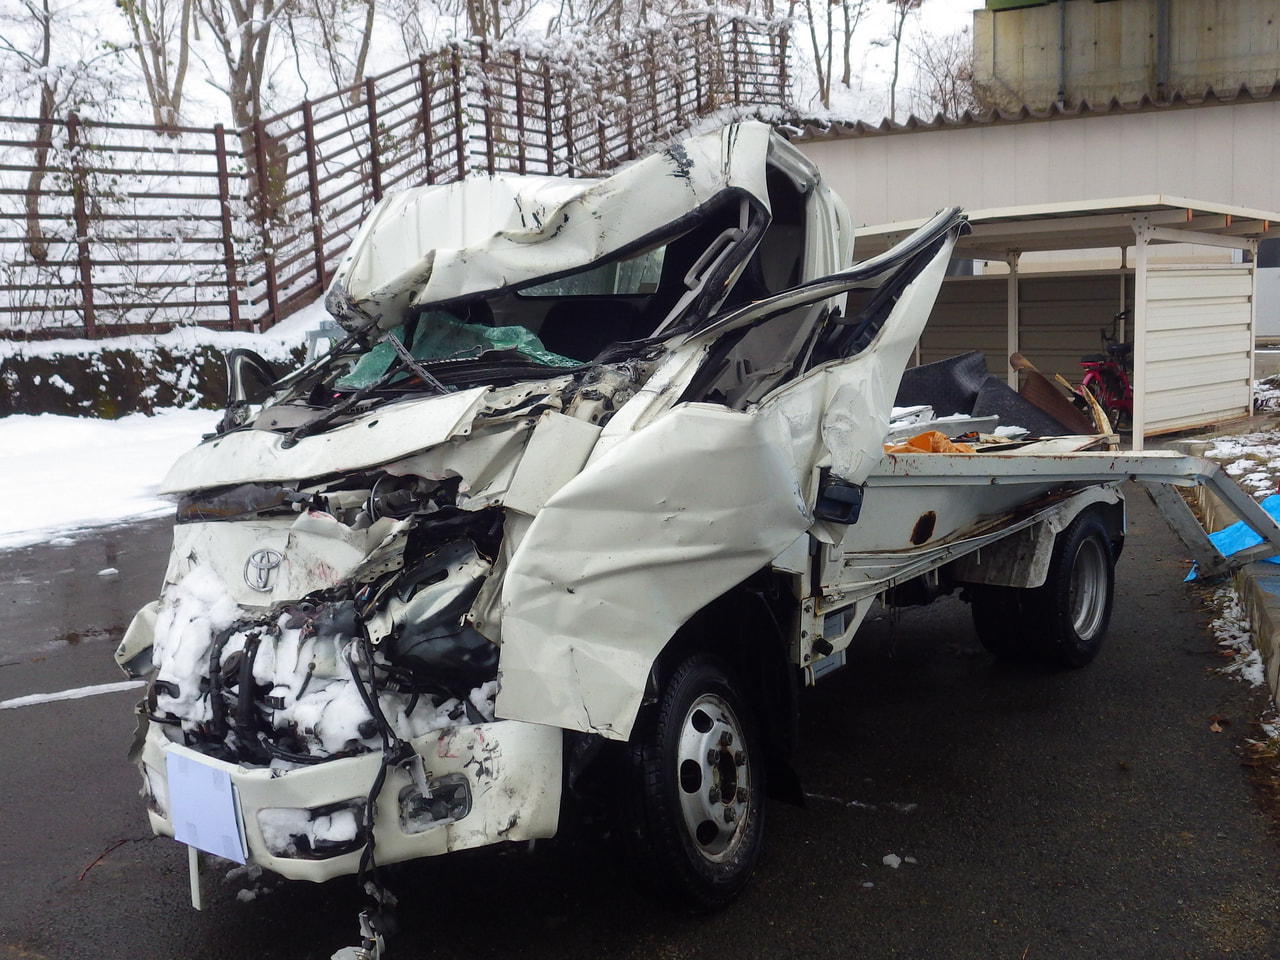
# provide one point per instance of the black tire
(1061, 623)
(1071, 611)
(693, 801)
(1107, 399)
(999, 619)
(1096, 391)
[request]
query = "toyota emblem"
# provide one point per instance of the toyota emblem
(257, 569)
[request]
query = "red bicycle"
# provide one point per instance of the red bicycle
(1107, 375)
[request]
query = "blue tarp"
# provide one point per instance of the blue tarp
(1240, 536)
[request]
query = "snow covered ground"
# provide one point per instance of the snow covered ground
(65, 474)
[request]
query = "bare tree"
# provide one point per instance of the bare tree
(821, 16)
(242, 31)
(58, 85)
(594, 16)
(338, 33)
(157, 26)
(900, 10)
(852, 11)
(944, 74)
(415, 36)
(489, 20)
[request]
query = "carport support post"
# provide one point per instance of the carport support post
(1252, 253)
(1011, 258)
(1123, 332)
(1138, 384)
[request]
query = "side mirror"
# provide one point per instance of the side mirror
(250, 379)
(839, 501)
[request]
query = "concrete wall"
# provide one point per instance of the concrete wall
(1111, 50)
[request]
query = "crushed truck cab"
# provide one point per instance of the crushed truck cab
(593, 481)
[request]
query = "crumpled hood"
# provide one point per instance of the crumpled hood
(439, 243)
(387, 434)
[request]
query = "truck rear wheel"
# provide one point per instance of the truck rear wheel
(1000, 621)
(1071, 611)
(1061, 623)
(693, 800)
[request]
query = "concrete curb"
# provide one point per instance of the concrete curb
(1258, 585)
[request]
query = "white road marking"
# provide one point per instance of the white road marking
(76, 694)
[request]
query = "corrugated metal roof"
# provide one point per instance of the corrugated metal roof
(801, 130)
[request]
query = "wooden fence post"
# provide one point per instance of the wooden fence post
(737, 66)
(313, 189)
(490, 128)
(569, 153)
(631, 115)
(228, 240)
(652, 105)
(375, 157)
(546, 118)
(459, 113)
(78, 191)
(780, 57)
(264, 214)
(424, 89)
(520, 128)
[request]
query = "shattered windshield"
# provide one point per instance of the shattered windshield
(562, 322)
(442, 335)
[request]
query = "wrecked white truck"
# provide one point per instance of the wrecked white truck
(594, 482)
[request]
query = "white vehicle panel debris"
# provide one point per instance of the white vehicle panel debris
(433, 244)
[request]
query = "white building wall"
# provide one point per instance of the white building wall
(1059, 319)
(1268, 306)
(1198, 345)
(1224, 153)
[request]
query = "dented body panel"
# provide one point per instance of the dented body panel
(511, 773)
(594, 591)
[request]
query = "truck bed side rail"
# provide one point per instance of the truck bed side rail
(1156, 470)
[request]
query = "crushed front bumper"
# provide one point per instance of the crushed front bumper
(507, 772)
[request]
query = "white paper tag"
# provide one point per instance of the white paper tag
(202, 807)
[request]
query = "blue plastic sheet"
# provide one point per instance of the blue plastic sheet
(1240, 536)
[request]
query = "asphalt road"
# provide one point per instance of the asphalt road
(1039, 815)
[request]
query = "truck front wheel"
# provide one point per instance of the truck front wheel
(693, 801)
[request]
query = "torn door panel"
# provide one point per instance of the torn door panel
(838, 414)
(681, 511)
(632, 547)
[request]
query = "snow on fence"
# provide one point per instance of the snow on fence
(108, 229)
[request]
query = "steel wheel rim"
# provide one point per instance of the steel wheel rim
(1088, 595)
(713, 777)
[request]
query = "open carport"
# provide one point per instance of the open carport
(1192, 317)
